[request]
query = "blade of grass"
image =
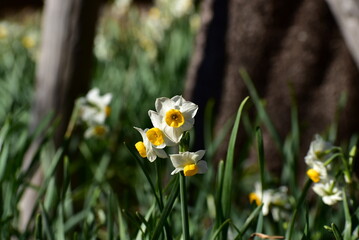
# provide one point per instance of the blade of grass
(38, 228)
(219, 229)
(228, 168)
(4, 153)
(248, 221)
(299, 203)
(145, 172)
(47, 223)
(260, 108)
(261, 160)
(336, 233)
(167, 209)
(184, 210)
(348, 219)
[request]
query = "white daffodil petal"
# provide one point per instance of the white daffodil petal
(197, 156)
(162, 105)
(160, 153)
(174, 134)
(332, 199)
(92, 95)
(177, 170)
(156, 119)
(151, 155)
(189, 109)
(188, 124)
(178, 100)
(178, 160)
(106, 99)
(319, 188)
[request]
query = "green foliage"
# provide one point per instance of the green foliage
(102, 189)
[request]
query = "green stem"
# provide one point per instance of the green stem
(298, 206)
(184, 210)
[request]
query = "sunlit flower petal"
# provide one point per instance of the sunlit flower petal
(94, 108)
(189, 162)
(329, 192)
(173, 116)
(152, 151)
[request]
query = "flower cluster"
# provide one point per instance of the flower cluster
(172, 118)
(93, 111)
(275, 201)
(318, 160)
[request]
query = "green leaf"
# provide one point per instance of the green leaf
(298, 208)
(336, 233)
(249, 220)
(167, 209)
(261, 160)
(228, 168)
(348, 219)
(47, 223)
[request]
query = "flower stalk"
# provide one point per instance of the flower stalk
(183, 147)
(184, 209)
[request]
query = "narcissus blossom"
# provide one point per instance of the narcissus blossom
(96, 131)
(319, 150)
(317, 172)
(173, 116)
(329, 192)
(190, 163)
(275, 201)
(95, 108)
(152, 144)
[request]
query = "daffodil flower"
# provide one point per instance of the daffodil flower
(96, 131)
(190, 163)
(95, 108)
(317, 172)
(319, 150)
(274, 201)
(173, 116)
(152, 144)
(329, 192)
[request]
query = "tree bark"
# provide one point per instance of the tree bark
(63, 72)
(280, 44)
(346, 14)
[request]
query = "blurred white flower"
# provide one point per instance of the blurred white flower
(274, 201)
(173, 116)
(95, 108)
(190, 163)
(102, 48)
(28, 41)
(3, 31)
(96, 131)
(148, 149)
(176, 8)
(317, 172)
(329, 192)
(319, 150)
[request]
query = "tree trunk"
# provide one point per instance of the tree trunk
(280, 44)
(63, 72)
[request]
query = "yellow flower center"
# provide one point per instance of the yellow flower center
(174, 118)
(253, 197)
(141, 149)
(100, 130)
(107, 111)
(155, 136)
(190, 170)
(28, 42)
(3, 32)
(313, 175)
